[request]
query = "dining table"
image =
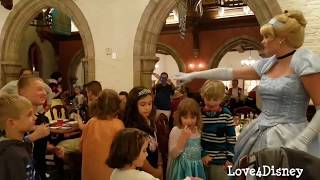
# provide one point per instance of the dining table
(64, 127)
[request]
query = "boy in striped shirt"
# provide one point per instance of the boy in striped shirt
(218, 133)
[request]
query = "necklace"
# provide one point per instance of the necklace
(286, 55)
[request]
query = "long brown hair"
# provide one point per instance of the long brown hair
(132, 117)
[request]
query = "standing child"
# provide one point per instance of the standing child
(79, 98)
(16, 118)
(139, 114)
(128, 152)
(97, 135)
(184, 143)
(218, 132)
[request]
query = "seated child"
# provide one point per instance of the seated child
(16, 118)
(128, 152)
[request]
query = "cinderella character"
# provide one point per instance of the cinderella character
(288, 79)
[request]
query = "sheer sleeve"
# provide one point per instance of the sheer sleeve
(174, 151)
(305, 62)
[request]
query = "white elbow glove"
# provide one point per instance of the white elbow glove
(307, 135)
(212, 74)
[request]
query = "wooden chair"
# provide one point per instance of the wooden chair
(58, 112)
(163, 131)
(244, 110)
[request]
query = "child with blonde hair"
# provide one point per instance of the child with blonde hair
(16, 118)
(184, 143)
(218, 133)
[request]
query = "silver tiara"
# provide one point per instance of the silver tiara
(275, 23)
(144, 92)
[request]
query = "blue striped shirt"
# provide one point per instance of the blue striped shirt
(218, 136)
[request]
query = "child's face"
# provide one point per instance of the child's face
(145, 106)
(189, 120)
(26, 122)
(142, 156)
(212, 105)
(77, 90)
(35, 92)
(123, 98)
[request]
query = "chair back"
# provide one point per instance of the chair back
(163, 131)
(244, 110)
(58, 112)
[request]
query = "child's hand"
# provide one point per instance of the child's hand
(192, 178)
(186, 133)
(59, 152)
(226, 165)
(78, 118)
(41, 131)
(206, 160)
(159, 172)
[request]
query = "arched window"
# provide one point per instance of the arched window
(35, 58)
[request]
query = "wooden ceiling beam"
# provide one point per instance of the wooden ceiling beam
(215, 24)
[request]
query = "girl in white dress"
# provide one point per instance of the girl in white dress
(128, 152)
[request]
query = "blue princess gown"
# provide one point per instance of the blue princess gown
(189, 162)
(284, 102)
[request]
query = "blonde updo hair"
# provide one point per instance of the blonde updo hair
(289, 25)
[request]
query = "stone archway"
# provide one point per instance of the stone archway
(152, 21)
(225, 48)
(76, 60)
(19, 18)
(168, 49)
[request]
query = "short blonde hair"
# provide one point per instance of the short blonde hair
(213, 90)
(11, 107)
(26, 81)
(289, 25)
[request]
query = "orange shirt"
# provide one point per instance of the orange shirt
(95, 143)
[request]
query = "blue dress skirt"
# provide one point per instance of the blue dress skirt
(284, 101)
(188, 163)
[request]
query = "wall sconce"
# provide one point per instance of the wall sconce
(247, 62)
(196, 67)
(191, 66)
